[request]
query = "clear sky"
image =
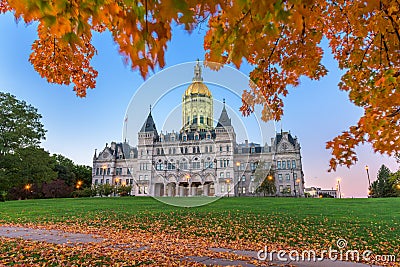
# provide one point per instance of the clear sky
(315, 111)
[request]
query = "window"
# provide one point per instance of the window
(243, 178)
(188, 119)
(118, 171)
(280, 177)
(146, 177)
(253, 150)
(220, 148)
(295, 176)
(253, 165)
(288, 164)
(171, 166)
(211, 149)
(228, 174)
(244, 190)
(107, 181)
(227, 148)
(184, 138)
(281, 188)
(97, 171)
(145, 189)
(140, 177)
(196, 164)
(293, 164)
(159, 166)
(128, 171)
(222, 188)
(252, 178)
(221, 175)
(278, 165)
(194, 119)
(101, 171)
(201, 119)
(287, 177)
(242, 166)
(283, 164)
(252, 189)
(174, 151)
(96, 181)
(208, 136)
(108, 171)
(208, 165)
(130, 181)
(196, 137)
(288, 189)
(206, 149)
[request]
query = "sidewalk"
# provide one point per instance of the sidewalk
(71, 239)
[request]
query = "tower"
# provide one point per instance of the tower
(197, 105)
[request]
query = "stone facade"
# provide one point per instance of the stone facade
(200, 160)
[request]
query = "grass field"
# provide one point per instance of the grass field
(297, 223)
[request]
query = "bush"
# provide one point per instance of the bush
(85, 192)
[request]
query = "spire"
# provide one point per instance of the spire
(149, 125)
(95, 154)
(197, 72)
(224, 119)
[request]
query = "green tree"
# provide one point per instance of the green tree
(64, 168)
(383, 186)
(30, 165)
(83, 173)
(20, 125)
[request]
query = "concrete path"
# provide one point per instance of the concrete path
(70, 239)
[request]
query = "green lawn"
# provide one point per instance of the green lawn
(365, 223)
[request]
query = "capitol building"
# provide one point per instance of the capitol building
(201, 159)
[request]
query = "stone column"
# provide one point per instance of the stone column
(190, 190)
(169, 190)
(205, 189)
(165, 189)
(194, 190)
(181, 191)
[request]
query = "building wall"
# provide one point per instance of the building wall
(165, 168)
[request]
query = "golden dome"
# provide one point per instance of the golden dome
(197, 87)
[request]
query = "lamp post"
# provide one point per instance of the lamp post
(235, 186)
(78, 185)
(27, 188)
(228, 181)
(294, 183)
(116, 186)
(369, 181)
(338, 187)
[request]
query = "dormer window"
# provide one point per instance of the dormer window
(184, 138)
(196, 136)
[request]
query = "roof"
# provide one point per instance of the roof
(224, 119)
(149, 125)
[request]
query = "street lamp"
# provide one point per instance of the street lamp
(228, 188)
(294, 183)
(369, 181)
(338, 187)
(79, 184)
(235, 186)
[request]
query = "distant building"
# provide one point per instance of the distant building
(318, 192)
(200, 159)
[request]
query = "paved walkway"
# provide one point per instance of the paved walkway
(71, 239)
